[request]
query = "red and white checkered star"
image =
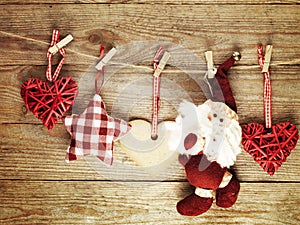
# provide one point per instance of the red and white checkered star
(94, 132)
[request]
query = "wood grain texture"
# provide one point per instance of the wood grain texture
(45, 159)
(139, 203)
(32, 152)
(246, 82)
(38, 187)
(26, 33)
(164, 2)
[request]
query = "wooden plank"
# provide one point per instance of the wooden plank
(32, 152)
(167, 2)
(74, 202)
(38, 187)
(246, 82)
(26, 33)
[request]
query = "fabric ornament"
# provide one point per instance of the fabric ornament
(49, 100)
(147, 144)
(208, 139)
(269, 145)
(93, 132)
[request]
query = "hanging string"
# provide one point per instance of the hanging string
(267, 90)
(100, 72)
(54, 41)
(156, 94)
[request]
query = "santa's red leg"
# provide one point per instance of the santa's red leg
(227, 193)
(194, 205)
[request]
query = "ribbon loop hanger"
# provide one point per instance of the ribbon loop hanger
(101, 64)
(264, 62)
(160, 60)
(56, 46)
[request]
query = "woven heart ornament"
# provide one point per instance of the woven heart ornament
(269, 145)
(49, 100)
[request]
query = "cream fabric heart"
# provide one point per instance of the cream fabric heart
(153, 155)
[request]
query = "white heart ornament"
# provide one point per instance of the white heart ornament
(154, 156)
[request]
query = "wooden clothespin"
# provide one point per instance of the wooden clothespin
(106, 58)
(162, 64)
(267, 60)
(211, 70)
(61, 44)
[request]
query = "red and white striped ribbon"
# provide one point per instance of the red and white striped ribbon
(267, 90)
(100, 72)
(156, 94)
(54, 41)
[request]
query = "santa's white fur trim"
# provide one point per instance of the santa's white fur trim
(204, 193)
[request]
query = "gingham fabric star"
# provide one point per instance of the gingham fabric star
(94, 132)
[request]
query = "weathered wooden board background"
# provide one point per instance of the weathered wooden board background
(38, 187)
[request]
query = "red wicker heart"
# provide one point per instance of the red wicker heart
(49, 101)
(270, 147)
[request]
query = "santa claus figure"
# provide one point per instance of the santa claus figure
(208, 138)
